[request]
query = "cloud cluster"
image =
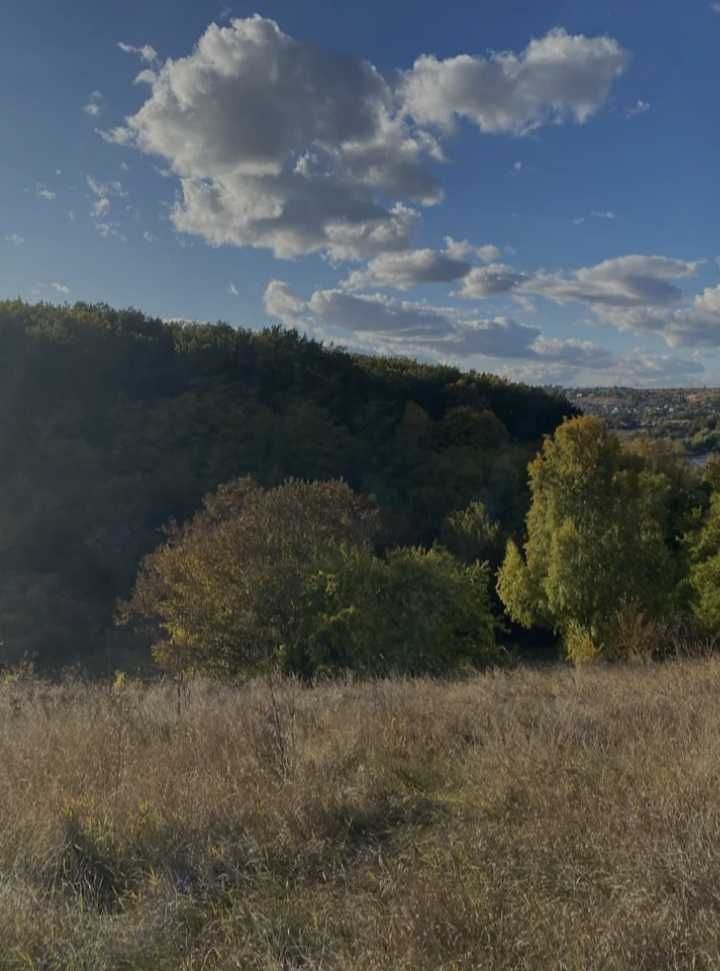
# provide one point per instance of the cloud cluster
(376, 322)
(412, 267)
(281, 145)
(694, 323)
(103, 193)
(379, 323)
(636, 293)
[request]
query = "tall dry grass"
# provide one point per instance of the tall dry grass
(530, 819)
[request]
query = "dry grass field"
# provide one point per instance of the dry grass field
(528, 819)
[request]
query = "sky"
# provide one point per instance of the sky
(522, 187)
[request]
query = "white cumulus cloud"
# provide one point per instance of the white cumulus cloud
(407, 269)
(461, 249)
(494, 280)
(626, 281)
(556, 78)
(281, 145)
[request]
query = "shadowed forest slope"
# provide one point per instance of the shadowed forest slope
(113, 423)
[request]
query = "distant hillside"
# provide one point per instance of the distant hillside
(112, 423)
(690, 416)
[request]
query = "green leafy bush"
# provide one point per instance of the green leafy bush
(415, 611)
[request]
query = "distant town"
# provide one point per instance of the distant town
(690, 416)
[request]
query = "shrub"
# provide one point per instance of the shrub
(416, 611)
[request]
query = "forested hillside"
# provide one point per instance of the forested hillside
(113, 423)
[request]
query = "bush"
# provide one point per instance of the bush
(416, 611)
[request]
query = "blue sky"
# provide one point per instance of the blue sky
(525, 188)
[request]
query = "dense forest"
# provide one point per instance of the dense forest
(114, 424)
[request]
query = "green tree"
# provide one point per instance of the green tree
(471, 534)
(597, 539)
(224, 593)
(415, 611)
(705, 569)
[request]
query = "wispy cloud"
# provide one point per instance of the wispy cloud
(640, 107)
(95, 104)
(595, 214)
(15, 239)
(233, 290)
(110, 231)
(61, 288)
(146, 53)
(42, 192)
(104, 192)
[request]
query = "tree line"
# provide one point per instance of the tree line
(236, 500)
